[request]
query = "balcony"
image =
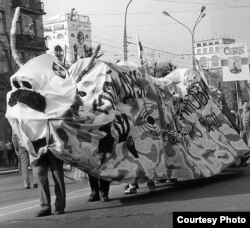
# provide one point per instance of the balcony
(24, 41)
(30, 6)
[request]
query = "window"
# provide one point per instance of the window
(199, 51)
(210, 43)
(215, 62)
(204, 51)
(2, 22)
(59, 27)
(211, 49)
(204, 44)
(198, 44)
(216, 49)
(203, 62)
(59, 53)
(60, 36)
(216, 42)
(47, 28)
(48, 38)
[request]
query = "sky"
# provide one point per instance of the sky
(162, 38)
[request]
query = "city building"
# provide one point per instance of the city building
(68, 36)
(207, 52)
(208, 55)
(30, 42)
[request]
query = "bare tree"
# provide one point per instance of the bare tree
(162, 69)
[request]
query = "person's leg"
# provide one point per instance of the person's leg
(56, 166)
(104, 189)
(94, 185)
(24, 158)
(41, 170)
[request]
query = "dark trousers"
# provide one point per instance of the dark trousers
(99, 186)
(48, 160)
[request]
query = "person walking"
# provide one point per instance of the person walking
(23, 156)
(243, 122)
(46, 161)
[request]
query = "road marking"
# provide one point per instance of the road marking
(37, 201)
(19, 204)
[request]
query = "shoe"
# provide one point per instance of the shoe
(104, 198)
(58, 212)
(151, 185)
(43, 213)
(93, 198)
(27, 187)
(131, 189)
(35, 185)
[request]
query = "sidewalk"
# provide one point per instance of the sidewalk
(8, 170)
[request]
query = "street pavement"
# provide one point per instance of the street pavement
(229, 191)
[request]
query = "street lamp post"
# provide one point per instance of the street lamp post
(125, 42)
(201, 15)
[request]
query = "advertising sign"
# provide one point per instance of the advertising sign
(234, 62)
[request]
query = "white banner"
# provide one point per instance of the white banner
(234, 62)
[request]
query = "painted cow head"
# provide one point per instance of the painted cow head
(41, 89)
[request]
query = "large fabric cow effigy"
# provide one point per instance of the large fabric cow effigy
(119, 123)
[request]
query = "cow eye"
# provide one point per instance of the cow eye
(16, 84)
(82, 94)
(27, 85)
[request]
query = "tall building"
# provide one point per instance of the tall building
(30, 42)
(68, 36)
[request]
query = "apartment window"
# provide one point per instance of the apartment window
(216, 42)
(215, 61)
(59, 27)
(210, 43)
(2, 22)
(204, 51)
(216, 49)
(211, 49)
(47, 28)
(203, 62)
(198, 44)
(199, 51)
(204, 44)
(59, 53)
(60, 36)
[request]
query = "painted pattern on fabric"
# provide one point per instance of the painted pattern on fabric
(125, 125)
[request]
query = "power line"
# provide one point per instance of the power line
(204, 3)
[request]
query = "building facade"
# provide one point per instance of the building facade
(30, 42)
(208, 55)
(68, 37)
(207, 52)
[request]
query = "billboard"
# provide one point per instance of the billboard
(234, 62)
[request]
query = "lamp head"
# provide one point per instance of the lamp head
(166, 13)
(203, 9)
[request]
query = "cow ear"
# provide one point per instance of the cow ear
(59, 70)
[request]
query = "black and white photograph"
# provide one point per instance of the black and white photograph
(124, 113)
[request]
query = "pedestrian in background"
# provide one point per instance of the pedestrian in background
(23, 155)
(12, 157)
(243, 122)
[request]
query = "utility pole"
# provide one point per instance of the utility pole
(125, 41)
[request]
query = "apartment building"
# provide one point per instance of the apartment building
(68, 36)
